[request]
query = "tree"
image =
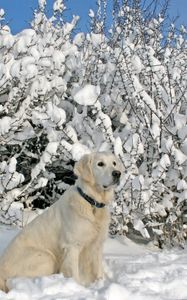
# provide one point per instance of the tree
(124, 90)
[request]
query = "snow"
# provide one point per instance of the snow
(123, 118)
(180, 158)
(71, 133)
(12, 165)
(68, 27)
(5, 125)
(184, 146)
(155, 129)
(24, 39)
(96, 38)
(78, 150)
(182, 185)
(103, 120)
(86, 95)
(180, 120)
(2, 12)
(118, 147)
(91, 13)
(58, 6)
(139, 226)
(137, 183)
(136, 62)
(165, 161)
(42, 3)
(134, 271)
(79, 39)
(10, 178)
(56, 114)
(58, 59)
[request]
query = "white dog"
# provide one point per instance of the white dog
(68, 237)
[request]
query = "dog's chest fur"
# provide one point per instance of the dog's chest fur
(94, 214)
(99, 217)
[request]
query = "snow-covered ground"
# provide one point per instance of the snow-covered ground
(135, 272)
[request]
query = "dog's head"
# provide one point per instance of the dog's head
(102, 169)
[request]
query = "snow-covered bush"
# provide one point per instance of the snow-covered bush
(64, 94)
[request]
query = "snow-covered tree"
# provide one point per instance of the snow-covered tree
(124, 90)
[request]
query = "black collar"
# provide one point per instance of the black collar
(89, 199)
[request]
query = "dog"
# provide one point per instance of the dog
(68, 237)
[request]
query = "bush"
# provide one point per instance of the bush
(124, 90)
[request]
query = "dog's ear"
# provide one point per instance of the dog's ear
(83, 168)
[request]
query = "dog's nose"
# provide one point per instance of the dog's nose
(116, 174)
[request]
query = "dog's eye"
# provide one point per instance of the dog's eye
(114, 163)
(100, 164)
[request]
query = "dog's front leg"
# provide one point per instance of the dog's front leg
(70, 263)
(91, 267)
(97, 263)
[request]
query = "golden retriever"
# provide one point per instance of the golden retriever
(68, 237)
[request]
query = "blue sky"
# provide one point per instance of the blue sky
(19, 12)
